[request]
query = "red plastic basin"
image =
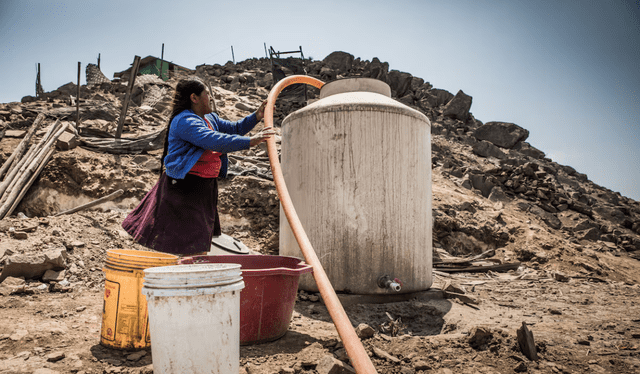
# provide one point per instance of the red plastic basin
(269, 294)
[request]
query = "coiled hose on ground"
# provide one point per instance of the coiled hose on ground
(359, 357)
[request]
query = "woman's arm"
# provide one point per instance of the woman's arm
(242, 126)
(193, 129)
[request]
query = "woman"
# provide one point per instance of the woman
(180, 214)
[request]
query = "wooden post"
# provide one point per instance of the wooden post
(38, 83)
(19, 150)
(162, 61)
(30, 181)
(78, 98)
(233, 56)
(125, 104)
(98, 60)
(92, 204)
(27, 171)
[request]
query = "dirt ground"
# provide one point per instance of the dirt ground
(582, 323)
(579, 298)
(580, 326)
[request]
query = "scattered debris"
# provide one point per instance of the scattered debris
(382, 354)
(527, 343)
(392, 327)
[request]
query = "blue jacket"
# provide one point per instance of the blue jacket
(189, 137)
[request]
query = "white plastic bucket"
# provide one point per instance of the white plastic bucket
(194, 317)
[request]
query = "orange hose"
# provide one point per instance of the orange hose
(359, 357)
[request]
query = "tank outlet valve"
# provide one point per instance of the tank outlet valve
(385, 281)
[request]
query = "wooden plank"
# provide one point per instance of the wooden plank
(22, 179)
(459, 261)
(92, 204)
(125, 104)
(35, 175)
(482, 268)
(8, 166)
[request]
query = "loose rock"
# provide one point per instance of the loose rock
(55, 356)
(329, 365)
(365, 331)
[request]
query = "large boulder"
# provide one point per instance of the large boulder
(442, 96)
(484, 148)
(591, 234)
(529, 150)
(611, 214)
(497, 194)
(427, 101)
(458, 107)
(416, 84)
(581, 208)
(340, 61)
(549, 218)
(69, 89)
(377, 70)
(28, 99)
(399, 82)
(328, 74)
(481, 182)
(502, 134)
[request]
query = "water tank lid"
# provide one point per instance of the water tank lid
(225, 244)
(355, 85)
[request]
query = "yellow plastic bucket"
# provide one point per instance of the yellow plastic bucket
(125, 320)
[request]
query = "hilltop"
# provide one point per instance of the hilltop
(495, 196)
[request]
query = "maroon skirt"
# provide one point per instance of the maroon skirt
(178, 216)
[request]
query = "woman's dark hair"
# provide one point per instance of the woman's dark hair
(181, 102)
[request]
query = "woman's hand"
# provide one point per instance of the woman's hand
(260, 111)
(261, 136)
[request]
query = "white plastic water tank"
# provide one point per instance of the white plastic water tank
(357, 165)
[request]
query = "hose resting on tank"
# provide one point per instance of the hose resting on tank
(359, 357)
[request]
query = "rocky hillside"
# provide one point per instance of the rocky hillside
(492, 159)
(493, 194)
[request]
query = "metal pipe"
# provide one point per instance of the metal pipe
(352, 344)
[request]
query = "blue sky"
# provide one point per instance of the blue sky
(567, 71)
